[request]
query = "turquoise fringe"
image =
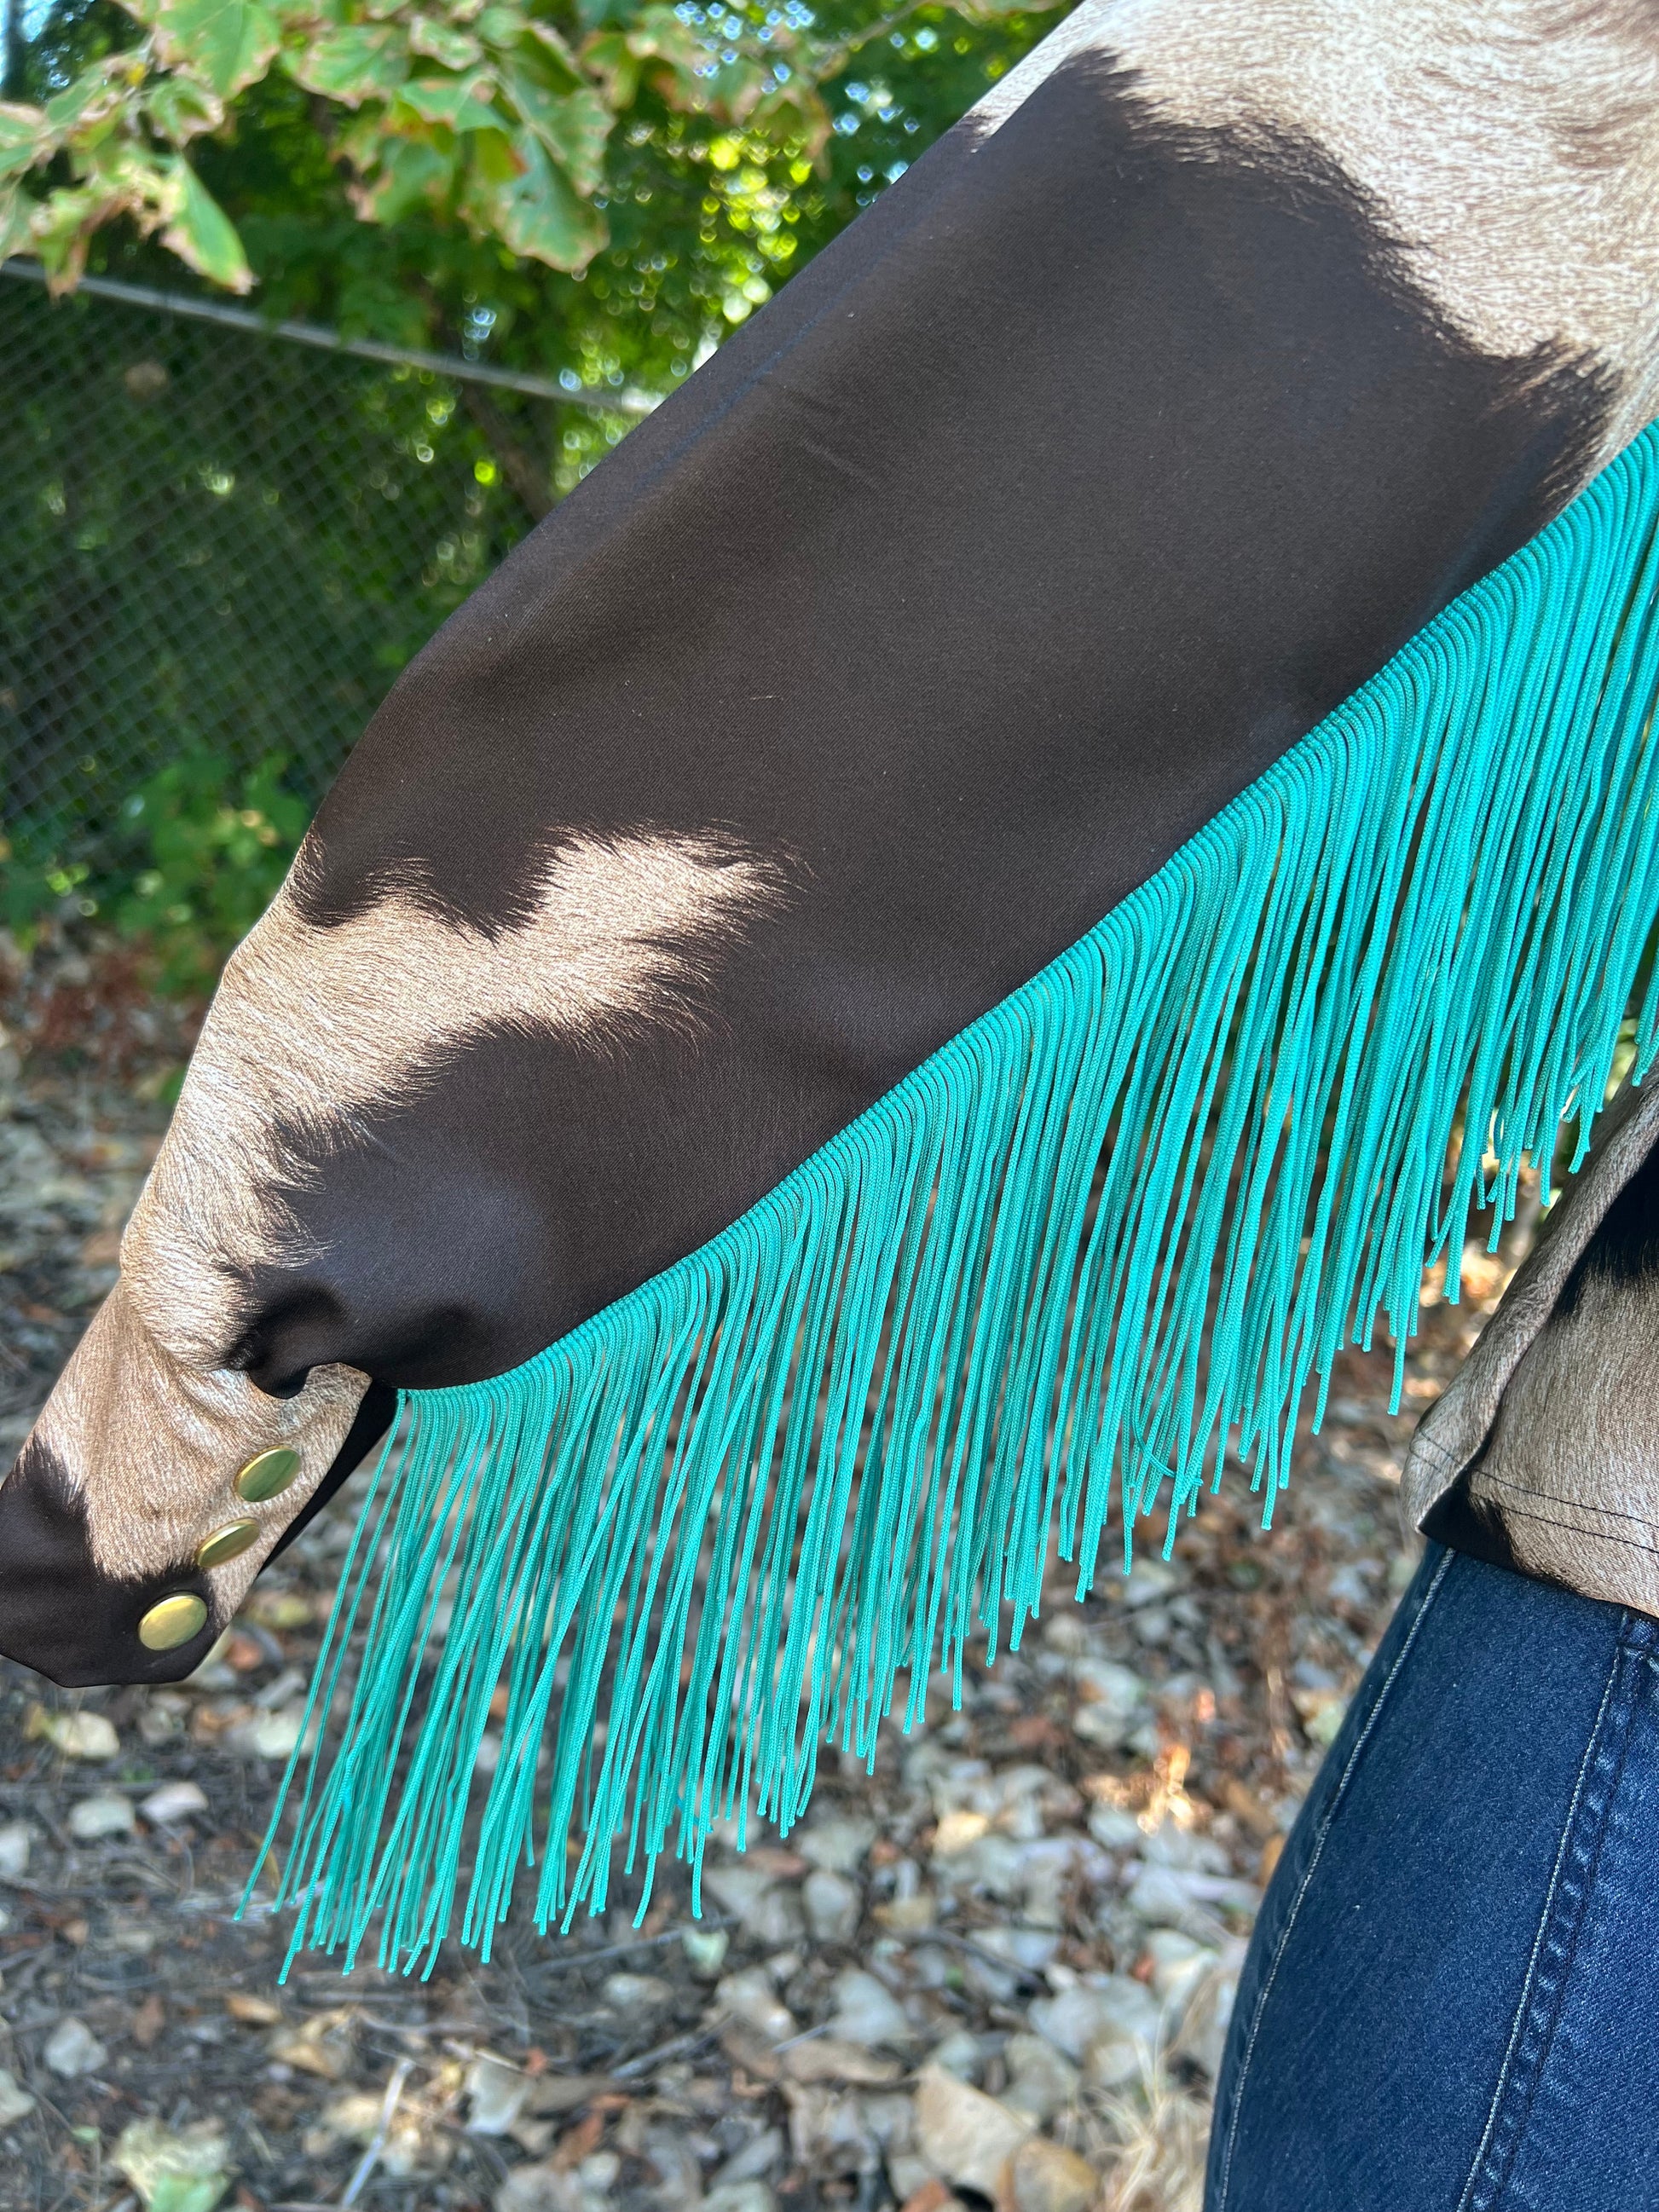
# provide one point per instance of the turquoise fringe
(712, 1528)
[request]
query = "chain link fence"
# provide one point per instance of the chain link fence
(218, 539)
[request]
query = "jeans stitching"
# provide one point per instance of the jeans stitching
(1570, 1959)
(1546, 1984)
(1340, 1791)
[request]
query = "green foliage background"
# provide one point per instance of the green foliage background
(219, 548)
(719, 169)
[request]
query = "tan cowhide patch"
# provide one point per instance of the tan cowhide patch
(312, 1027)
(152, 1447)
(1508, 147)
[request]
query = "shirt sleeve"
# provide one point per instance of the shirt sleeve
(1543, 1453)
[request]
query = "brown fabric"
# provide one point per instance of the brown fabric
(1543, 1451)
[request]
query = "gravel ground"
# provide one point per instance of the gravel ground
(996, 1972)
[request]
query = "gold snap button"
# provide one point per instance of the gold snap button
(173, 1622)
(226, 1543)
(268, 1475)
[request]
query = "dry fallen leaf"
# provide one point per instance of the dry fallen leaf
(77, 1735)
(496, 2095)
(970, 2137)
(576, 2142)
(1242, 1802)
(321, 2045)
(931, 2197)
(280, 1609)
(551, 2092)
(181, 2172)
(1044, 2177)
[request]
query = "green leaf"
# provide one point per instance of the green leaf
(540, 217)
(24, 138)
(203, 235)
(413, 171)
(574, 128)
(228, 43)
(57, 219)
(15, 209)
(500, 27)
(181, 109)
(89, 99)
(658, 31)
(61, 225)
(456, 50)
(542, 47)
(450, 101)
(174, 2172)
(609, 56)
(654, 34)
(179, 2192)
(361, 144)
(365, 61)
(494, 160)
(796, 111)
(734, 89)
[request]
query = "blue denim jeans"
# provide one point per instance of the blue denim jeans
(1451, 2001)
